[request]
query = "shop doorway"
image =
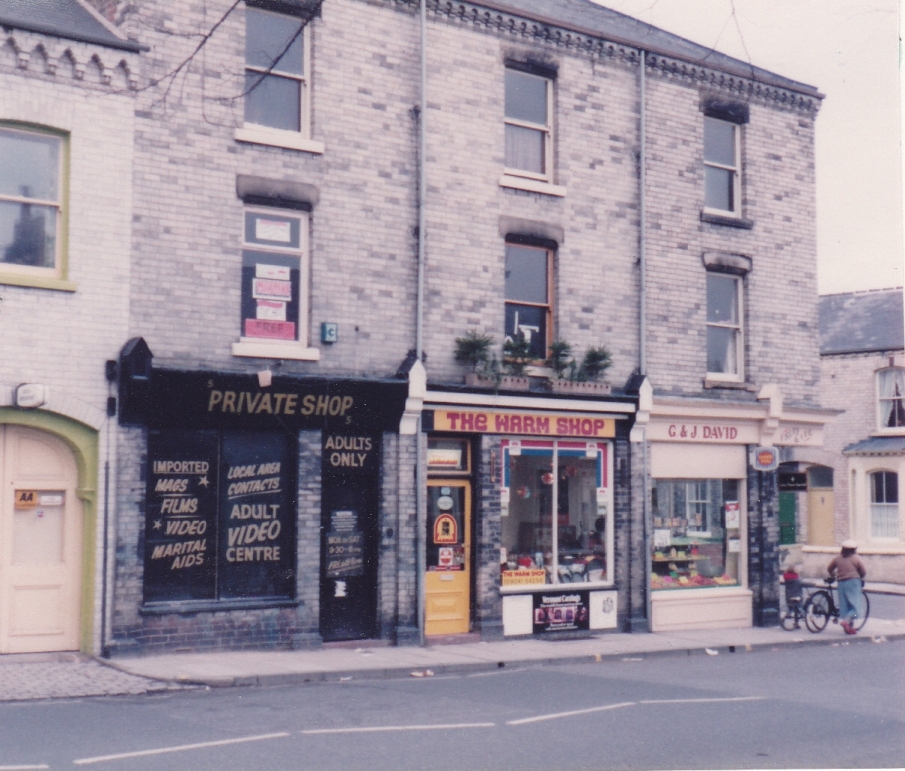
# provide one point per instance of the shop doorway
(349, 545)
(40, 543)
(821, 503)
(447, 607)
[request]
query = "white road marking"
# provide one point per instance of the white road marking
(369, 729)
(701, 701)
(23, 768)
(555, 715)
(178, 748)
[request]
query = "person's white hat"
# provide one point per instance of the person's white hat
(851, 543)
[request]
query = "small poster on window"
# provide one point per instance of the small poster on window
(662, 537)
(271, 289)
(275, 272)
(733, 515)
(273, 230)
(271, 310)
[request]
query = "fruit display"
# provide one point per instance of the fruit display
(676, 581)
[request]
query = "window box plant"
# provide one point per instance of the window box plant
(570, 376)
(474, 351)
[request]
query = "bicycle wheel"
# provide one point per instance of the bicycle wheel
(862, 617)
(817, 611)
(791, 617)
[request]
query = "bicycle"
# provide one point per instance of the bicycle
(821, 607)
(793, 615)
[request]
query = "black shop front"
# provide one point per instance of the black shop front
(261, 508)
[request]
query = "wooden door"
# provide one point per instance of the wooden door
(448, 581)
(40, 543)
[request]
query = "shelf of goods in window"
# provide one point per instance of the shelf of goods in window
(684, 569)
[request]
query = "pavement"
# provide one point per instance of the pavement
(62, 675)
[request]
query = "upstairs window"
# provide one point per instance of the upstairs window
(529, 150)
(884, 504)
(528, 293)
(275, 71)
(722, 166)
(724, 326)
(31, 202)
(891, 387)
(272, 259)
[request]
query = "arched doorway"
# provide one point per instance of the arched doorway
(41, 532)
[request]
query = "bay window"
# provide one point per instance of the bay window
(884, 504)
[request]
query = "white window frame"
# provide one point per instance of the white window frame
(546, 129)
(882, 428)
(882, 507)
(739, 375)
(283, 349)
(31, 275)
(255, 133)
(736, 170)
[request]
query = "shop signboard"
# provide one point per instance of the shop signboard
(563, 611)
(209, 400)
(526, 423)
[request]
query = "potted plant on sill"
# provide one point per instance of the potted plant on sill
(473, 351)
(583, 378)
(516, 358)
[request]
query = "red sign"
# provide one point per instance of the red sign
(534, 423)
(446, 529)
(275, 330)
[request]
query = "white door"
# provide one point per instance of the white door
(40, 543)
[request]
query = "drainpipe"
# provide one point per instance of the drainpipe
(420, 497)
(642, 327)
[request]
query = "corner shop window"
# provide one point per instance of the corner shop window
(697, 533)
(571, 545)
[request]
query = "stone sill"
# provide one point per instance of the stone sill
(735, 385)
(39, 282)
(532, 185)
(260, 349)
(291, 140)
(726, 219)
(866, 550)
(579, 586)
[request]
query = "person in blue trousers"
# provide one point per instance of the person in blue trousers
(849, 571)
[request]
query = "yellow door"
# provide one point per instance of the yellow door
(821, 528)
(448, 582)
(40, 543)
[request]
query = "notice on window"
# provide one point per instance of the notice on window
(271, 310)
(271, 289)
(273, 272)
(733, 515)
(344, 546)
(180, 516)
(273, 230)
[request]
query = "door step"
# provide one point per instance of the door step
(454, 639)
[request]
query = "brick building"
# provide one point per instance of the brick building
(318, 223)
(66, 120)
(862, 337)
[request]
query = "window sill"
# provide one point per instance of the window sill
(737, 385)
(726, 218)
(263, 349)
(291, 140)
(39, 282)
(532, 185)
(593, 586)
(213, 606)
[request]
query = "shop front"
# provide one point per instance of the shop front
(522, 513)
(262, 506)
(714, 508)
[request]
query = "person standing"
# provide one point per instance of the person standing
(849, 571)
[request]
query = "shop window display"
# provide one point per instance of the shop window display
(696, 533)
(570, 548)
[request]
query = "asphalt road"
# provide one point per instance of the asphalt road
(793, 707)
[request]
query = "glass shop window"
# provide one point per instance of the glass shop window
(554, 530)
(697, 533)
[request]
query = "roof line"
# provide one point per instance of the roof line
(864, 291)
(748, 74)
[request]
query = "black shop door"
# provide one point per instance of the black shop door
(349, 541)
